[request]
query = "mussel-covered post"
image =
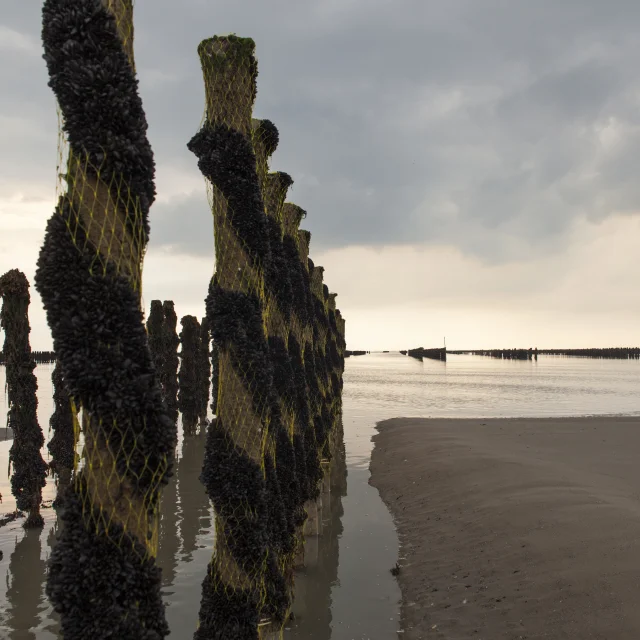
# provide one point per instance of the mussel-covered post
(155, 328)
(215, 376)
(188, 394)
(321, 341)
(171, 361)
(342, 345)
(335, 371)
(204, 370)
(291, 466)
(300, 336)
(62, 445)
(318, 378)
(103, 579)
(242, 578)
(29, 469)
(279, 457)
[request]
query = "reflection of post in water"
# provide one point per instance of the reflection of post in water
(24, 593)
(193, 498)
(312, 604)
(168, 537)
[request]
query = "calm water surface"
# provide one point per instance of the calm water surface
(346, 591)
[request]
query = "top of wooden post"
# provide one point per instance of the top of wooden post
(229, 69)
(274, 193)
(15, 283)
(292, 215)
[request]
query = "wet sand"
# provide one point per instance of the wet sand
(515, 528)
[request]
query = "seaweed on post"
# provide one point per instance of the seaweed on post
(171, 361)
(62, 444)
(189, 393)
(103, 580)
(243, 579)
(29, 469)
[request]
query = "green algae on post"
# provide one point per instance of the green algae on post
(243, 579)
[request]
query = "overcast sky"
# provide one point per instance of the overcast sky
(470, 168)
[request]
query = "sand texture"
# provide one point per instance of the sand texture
(524, 528)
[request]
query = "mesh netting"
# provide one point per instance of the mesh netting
(277, 344)
(103, 580)
(274, 408)
(245, 580)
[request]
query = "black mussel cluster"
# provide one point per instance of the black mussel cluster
(288, 379)
(170, 361)
(203, 370)
(28, 468)
(103, 583)
(188, 391)
(62, 444)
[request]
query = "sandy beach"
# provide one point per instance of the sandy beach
(515, 528)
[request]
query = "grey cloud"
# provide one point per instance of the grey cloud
(362, 95)
(183, 225)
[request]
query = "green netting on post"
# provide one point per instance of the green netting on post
(102, 578)
(189, 393)
(323, 390)
(29, 469)
(277, 319)
(301, 337)
(244, 580)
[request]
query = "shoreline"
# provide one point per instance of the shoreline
(514, 527)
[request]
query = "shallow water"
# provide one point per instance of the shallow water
(346, 591)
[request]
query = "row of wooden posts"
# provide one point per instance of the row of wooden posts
(277, 345)
(185, 377)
